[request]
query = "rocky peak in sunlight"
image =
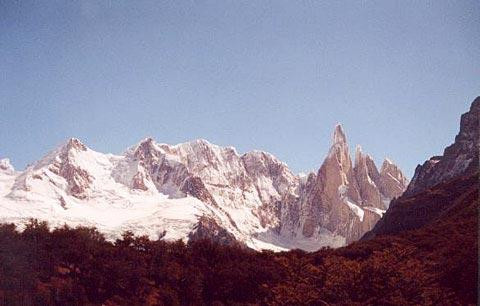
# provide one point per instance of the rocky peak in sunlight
(339, 135)
(75, 144)
(146, 149)
(392, 180)
(342, 200)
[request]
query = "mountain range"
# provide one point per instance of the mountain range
(422, 251)
(198, 190)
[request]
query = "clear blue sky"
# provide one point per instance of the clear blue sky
(275, 76)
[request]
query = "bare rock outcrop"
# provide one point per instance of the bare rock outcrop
(460, 158)
(345, 199)
(392, 181)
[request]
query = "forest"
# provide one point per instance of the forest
(434, 265)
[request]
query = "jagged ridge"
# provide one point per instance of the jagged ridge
(176, 190)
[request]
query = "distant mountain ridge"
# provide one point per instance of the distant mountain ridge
(197, 189)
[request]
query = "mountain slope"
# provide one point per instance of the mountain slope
(458, 159)
(455, 174)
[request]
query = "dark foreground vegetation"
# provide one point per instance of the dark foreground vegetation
(434, 265)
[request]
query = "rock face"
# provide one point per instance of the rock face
(343, 199)
(207, 228)
(196, 189)
(77, 178)
(392, 182)
(460, 158)
(438, 182)
(368, 179)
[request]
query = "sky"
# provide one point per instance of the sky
(267, 75)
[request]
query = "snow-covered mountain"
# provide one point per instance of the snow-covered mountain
(197, 189)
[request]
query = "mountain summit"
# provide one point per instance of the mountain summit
(341, 201)
(5, 165)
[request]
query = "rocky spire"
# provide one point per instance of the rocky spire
(366, 175)
(339, 135)
(324, 203)
(339, 155)
(344, 199)
(392, 181)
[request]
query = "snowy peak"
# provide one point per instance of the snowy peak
(271, 177)
(68, 164)
(146, 149)
(6, 166)
(75, 144)
(259, 162)
(69, 170)
(68, 150)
